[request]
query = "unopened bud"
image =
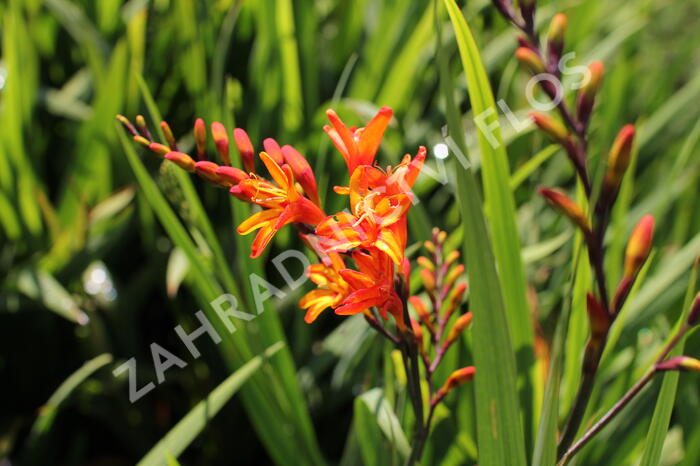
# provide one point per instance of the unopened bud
(245, 149)
(554, 128)
(587, 94)
(422, 312)
(555, 37)
(207, 170)
(453, 275)
(426, 263)
(169, 137)
(567, 206)
(457, 378)
(418, 334)
(218, 133)
(143, 127)
(127, 125)
(441, 237)
(458, 327)
(274, 151)
(184, 161)
(302, 172)
(158, 148)
(142, 140)
(597, 317)
(639, 245)
(619, 157)
(679, 363)
(428, 279)
(694, 314)
(455, 299)
(452, 258)
(530, 60)
(200, 138)
(429, 246)
(232, 174)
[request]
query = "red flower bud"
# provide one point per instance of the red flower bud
(587, 94)
(200, 138)
(639, 246)
(231, 176)
(245, 149)
(555, 37)
(207, 170)
(554, 128)
(302, 172)
(530, 60)
(679, 363)
(462, 323)
(619, 158)
(218, 133)
(457, 378)
(422, 312)
(169, 137)
(158, 148)
(567, 206)
(184, 161)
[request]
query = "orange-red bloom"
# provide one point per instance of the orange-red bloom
(332, 288)
(282, 202)
(379, 201)
(372, 285)
(358, 146)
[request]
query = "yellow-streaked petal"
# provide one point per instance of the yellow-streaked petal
(261, 240)
(275, 171)
(389, 243)
(258, 220)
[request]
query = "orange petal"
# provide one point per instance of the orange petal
(258, 220)
(372, 135)
(275, 171)
(391, 244)
(355, 279)
(261, 240)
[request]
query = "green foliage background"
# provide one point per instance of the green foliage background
(103, 250)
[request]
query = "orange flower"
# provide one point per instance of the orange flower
(379, 201)
(351, 291)
(372, 285)
(331, 291)
(282, 202)
(358, 146)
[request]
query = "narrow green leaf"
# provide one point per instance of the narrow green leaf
(48, 411)
(667, 396)
(501, 212)
(185, 431)
(41, 286)
(374, 402)
(499, 429)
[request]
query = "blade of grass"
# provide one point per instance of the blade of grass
(667, 396)
(499, 429)
(501, 213)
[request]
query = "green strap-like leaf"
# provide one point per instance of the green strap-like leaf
(499, 429)
(501, 212)
(667, 395)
